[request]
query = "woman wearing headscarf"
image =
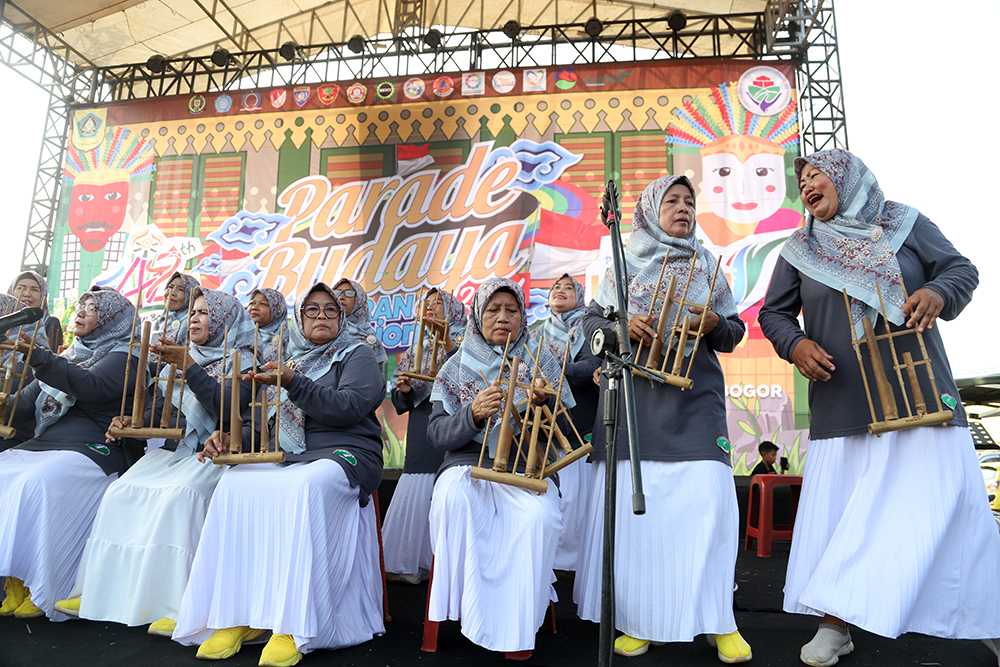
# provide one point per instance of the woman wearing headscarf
(138, 557)
(52, 484)
(29, 288)
(493, 543)
(354, 299)
(269, 311)
(675, 564)
(406, 532)
(867, 550)
(561, 329)
(8, 306)
(177, 303)
(293, 549)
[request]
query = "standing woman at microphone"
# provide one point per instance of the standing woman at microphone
(675, 564)
(52, 484)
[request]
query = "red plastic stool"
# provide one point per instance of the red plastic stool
(381, 559)
(763, 529)
(431, 627)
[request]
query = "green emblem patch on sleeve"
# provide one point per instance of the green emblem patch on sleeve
(724, 444)
(100, 449)
(346, 455)
(949, 400)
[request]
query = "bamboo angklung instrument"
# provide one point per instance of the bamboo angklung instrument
(137, 427)
(426, 369)
(677, 375)
(260, 404)
(17, 348)
(917, 414)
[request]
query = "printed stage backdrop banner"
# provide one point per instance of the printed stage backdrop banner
(411, 183)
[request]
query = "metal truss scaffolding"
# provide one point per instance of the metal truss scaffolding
(803, 31)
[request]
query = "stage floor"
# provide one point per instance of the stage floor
(775, 637)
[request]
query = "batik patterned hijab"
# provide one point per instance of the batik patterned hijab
(115, 315)
(176, 327)
(224, 314)
(454, 312)
(856, 248)
(267, 336)
(562, 328)
(41, 338)
(313, 360)
(462, 376)
(359, 323)
(644, 254)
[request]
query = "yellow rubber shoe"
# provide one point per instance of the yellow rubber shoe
(630, 646)
(163, 627)
(69, 607)
(280, 651)
(732, 648)
(14, 594)
(28, 609)
(226, 643)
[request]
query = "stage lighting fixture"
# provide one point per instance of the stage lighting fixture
(156, 64)
(676, 20)
(287, 50)
(220, 57)
(356, 43)
(593, 26)
(512, 28)
(433, 38)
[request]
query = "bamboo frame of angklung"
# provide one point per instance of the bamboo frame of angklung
(137, 427)
(439, 329)
(263, 452)
(890, 411)
(680, 328)
(15, 347)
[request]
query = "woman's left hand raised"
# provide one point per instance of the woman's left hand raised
(265, 374)
(539, 397)
(711, 319)
(922, 308)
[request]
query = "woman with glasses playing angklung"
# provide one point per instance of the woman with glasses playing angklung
(292, 549)
(893, 534)
(406, 533)
(358, 320)
(138, 557)
(52, 484)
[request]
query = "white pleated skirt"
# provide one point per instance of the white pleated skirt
(493, 550)
(287, 549)
(47, 505)
(138, 558)
(406, 532)
(675, 564)
(894, 535)
(574, 492)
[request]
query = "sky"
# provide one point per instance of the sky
(919, 113)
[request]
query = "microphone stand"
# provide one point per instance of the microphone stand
(616, 348)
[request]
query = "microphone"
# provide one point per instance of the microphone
(18, 319)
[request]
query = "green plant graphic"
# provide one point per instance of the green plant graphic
(742, 465)
(393, 449)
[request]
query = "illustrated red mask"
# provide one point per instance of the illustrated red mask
(97, 212)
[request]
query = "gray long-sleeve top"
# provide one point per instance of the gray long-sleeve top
(421, 457)
(674, 425)
(580, 377)
(838, 407)
(98, 390)
(341, 423)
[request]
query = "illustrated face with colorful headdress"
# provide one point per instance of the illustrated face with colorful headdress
(743, 154)
(100, 180)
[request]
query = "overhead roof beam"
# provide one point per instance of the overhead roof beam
(239, 34)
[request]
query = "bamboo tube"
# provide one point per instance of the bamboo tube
(656, 348)
(918, 394)
(131, 344)
(139, 396)
(235, 423)
(885, 392)
(506, 433)
(168, 394)
(857, 352)
(681, 345)
(652, 302)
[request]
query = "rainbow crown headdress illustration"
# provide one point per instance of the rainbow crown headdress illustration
(123, 157)
(720, 124)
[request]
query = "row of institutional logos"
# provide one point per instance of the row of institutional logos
(467, 84)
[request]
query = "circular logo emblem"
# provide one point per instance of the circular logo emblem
(414, 89)
(764, 91)
(503, 82)
(443, 86)
(196, 104)
(565, 78)
(356, 93)
(223, 103)
(385, 90)
(371, 339)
